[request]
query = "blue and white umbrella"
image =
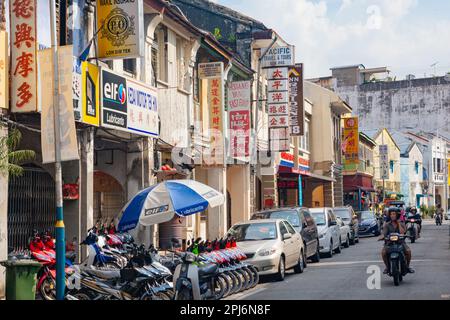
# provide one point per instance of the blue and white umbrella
(160, 203)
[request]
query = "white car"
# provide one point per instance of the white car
(329, 233)
(344, 232)
(271, 245)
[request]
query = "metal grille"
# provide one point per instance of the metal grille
(31, 206)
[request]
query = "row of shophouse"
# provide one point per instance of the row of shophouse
(417, 170)
(193, 54)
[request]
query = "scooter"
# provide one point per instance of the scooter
(396, 255)
(194, 282)
(412, 229)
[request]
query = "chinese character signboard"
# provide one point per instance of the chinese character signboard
(278, 105)
(121, 24)
(4, 74)
(239, 118)
(350, 141)
(23, 56)
(68, 135)
(212, 105)
(296, 107)
(128, 105)
(384, 161)
(90, 94)
(278, 57)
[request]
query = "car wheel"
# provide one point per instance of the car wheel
(357, 239)
(339, 248)
(300, 266)
(281, 270)
(316, 256)
(305, 257)
(330, 252)
(347, 243)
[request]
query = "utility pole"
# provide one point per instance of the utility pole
(60, 229)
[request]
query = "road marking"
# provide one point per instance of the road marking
(343, 263)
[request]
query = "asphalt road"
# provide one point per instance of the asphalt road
(345, 275)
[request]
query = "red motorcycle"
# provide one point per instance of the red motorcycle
(42, 248)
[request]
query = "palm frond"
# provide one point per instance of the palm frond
(20, 156)
(15, 170)
(13, 139)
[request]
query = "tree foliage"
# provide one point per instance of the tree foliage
(11, 158)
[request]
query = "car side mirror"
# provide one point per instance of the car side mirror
(287, 236)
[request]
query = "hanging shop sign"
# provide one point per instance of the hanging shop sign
(296, 107)
(278, 105)
(4, 73)
(121, 28)
(23, 56)
(128, 105)
(278, 57)
(384, 161)
(212, 106)
(350, 144)
(239, 118)
(76, 88)
(68, 135)
(90, 94)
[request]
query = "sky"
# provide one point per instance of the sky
(407, 36)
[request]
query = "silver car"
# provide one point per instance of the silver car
(271, 245)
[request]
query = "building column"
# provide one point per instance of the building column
(217, 217)
(3, 219)
(86, 186)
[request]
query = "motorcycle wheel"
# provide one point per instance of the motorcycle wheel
(248, 278)
(184, 294)
(395, 272)
(255, 275)
(236, 283)
(229, 282)
(48, 289)
(83, 295)
(220, 288)
(241, 281)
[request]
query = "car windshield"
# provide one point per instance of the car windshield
(365, 215)
(344, 214)
(254, 231)
(288, 215)
(319, 217)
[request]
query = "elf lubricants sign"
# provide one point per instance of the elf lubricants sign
(129, 105)
(121, 24)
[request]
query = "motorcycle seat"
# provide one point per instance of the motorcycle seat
(207, 270)
(104, 274)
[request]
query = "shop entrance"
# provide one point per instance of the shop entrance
(109, 197)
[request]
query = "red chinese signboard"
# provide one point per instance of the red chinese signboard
(239, 118)
(23, 56)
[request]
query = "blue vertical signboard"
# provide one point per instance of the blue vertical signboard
(300, 191)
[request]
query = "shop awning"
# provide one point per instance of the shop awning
(284, 169)
(321, 177)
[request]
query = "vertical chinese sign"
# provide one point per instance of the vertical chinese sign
(278, 104)
(384, 161)
(239, 118)
(296, 107)
(23, 56)
(350, 143)
(212, 104)
(4, 74)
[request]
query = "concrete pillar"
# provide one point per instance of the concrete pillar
(217, 217)
(86, 185)
(238, 185)
(3, 219)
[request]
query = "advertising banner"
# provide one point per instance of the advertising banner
(23, 56)
(278, 57)
(4, 73)
(350, 142)
(68, 135)
(76, 89)
(122, 29)
(239, 101)
(90, 93)
(128, 105)
(212, 104)
(296, 107)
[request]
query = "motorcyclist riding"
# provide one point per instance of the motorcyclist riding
(416, 216)
(394, 225)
